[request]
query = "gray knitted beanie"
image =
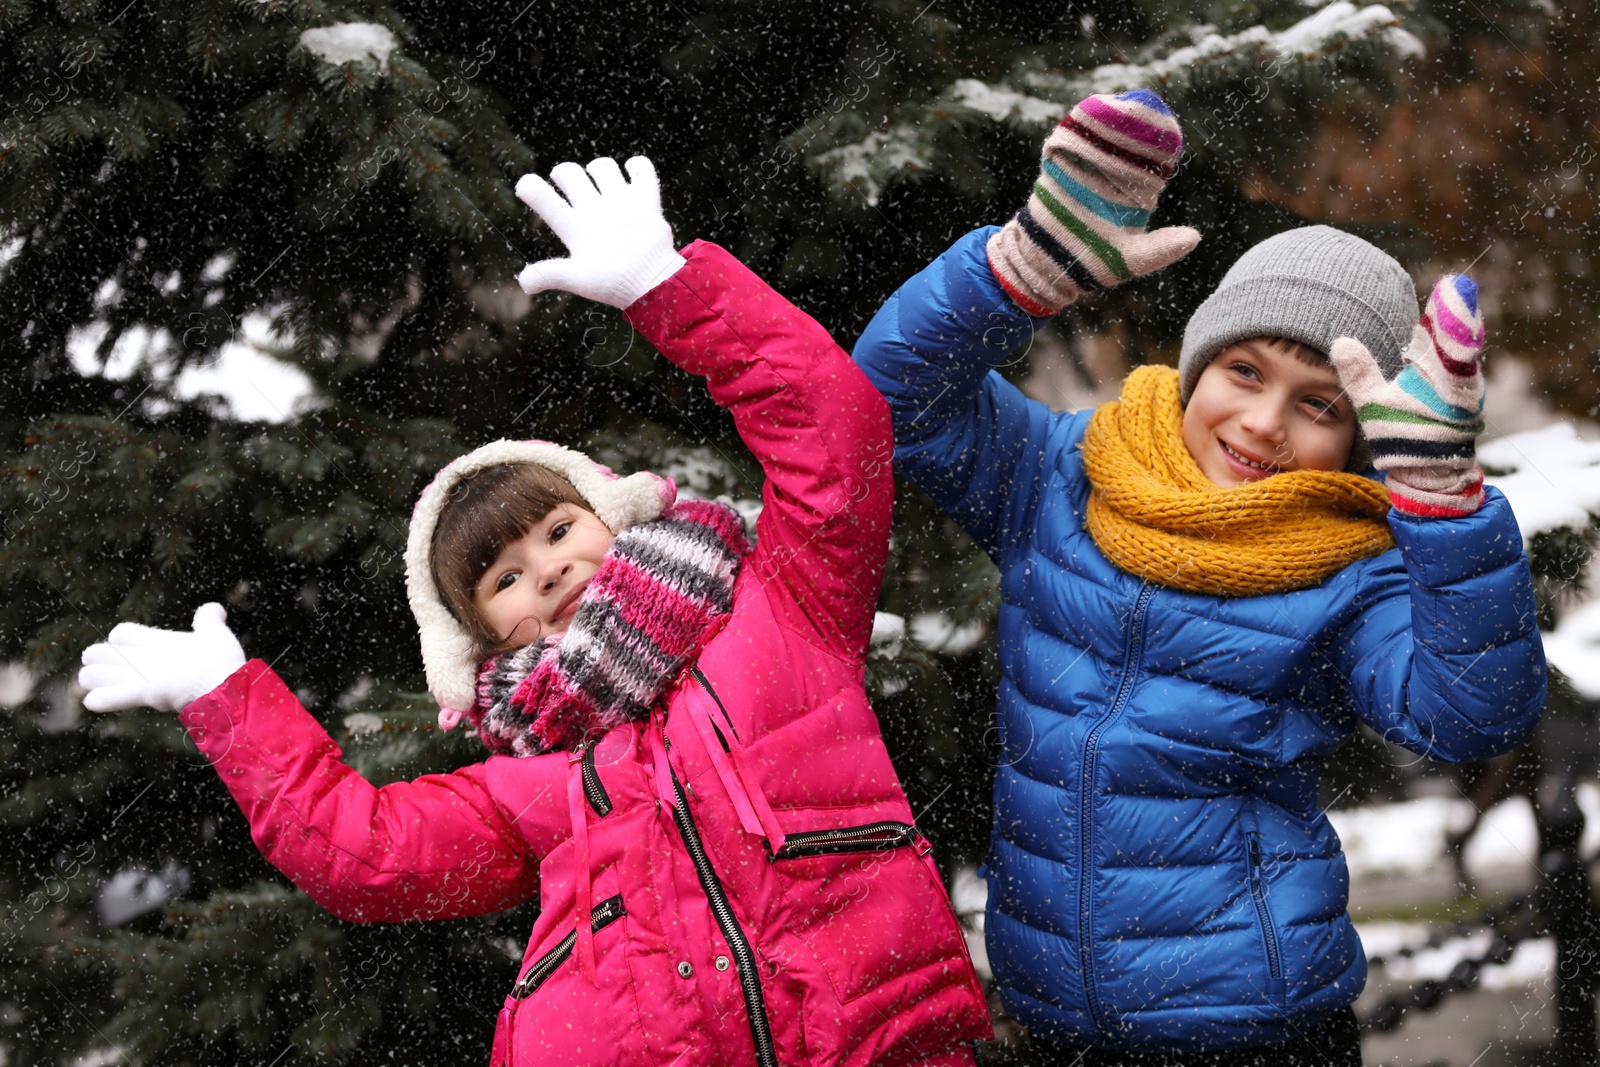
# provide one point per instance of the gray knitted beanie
(1310, 285)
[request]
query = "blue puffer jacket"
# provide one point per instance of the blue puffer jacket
(1161, 875)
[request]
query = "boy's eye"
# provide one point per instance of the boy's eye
(1244, 370)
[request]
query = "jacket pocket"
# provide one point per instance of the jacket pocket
(1271, 943)
(604, 914)
(868, 905)
(871, 837)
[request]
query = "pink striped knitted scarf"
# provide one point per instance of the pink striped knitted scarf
(662, 591)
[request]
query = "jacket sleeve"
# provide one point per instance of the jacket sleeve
(433, 848)
(962, 433)
(1445, 659)
(819, 430)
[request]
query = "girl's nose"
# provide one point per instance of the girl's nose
(551, 572)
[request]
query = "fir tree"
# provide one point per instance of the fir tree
(171, 167)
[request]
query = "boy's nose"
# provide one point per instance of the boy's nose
(1266, 422)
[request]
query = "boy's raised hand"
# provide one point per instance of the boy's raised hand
(1083, 228)
(619, 245)
(1423, 426)
(141, 666)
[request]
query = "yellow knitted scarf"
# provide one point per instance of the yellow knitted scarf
(1155, 515)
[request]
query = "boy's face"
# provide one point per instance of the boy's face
(532, 588)
(1259, 409)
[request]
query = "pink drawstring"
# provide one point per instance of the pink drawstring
(755, 814)
(658, 753)
(582, 877)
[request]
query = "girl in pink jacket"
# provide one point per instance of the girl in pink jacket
(685, 768)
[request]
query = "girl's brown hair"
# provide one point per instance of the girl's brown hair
(485, 511)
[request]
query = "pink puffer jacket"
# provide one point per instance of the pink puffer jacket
(756, 891)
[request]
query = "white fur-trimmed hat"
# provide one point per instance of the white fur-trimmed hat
(446, 646)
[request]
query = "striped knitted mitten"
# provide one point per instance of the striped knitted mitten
(1423, 426)
(1082, 229)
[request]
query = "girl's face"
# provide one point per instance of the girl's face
(532, 588)
(1258, 410)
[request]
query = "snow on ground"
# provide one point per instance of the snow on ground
(1507, 836)
(348, 42)
(1533, 961)
(1409, 837)
(1398, 838)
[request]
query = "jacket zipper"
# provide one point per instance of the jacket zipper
(749, 980)
(593, 788)
(1133, 654)
(873, 837)
(1256, 890)
(604, 914)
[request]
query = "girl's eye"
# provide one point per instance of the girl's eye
(559, 530)
(1319, 406)
(504, 581)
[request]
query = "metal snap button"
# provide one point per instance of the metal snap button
(685, 969)
(722, 963)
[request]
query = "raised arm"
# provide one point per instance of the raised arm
(965, 436)
(1447, 662)
(962, 433)
(819, 429)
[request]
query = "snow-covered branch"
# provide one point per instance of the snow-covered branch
(1032, 98)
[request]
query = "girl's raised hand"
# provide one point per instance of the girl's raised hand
(143, 667)
(619, 245)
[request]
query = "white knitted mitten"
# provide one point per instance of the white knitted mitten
(141, 666)
(619, 245)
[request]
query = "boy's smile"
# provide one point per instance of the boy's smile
(1259, 409)
(532, 588)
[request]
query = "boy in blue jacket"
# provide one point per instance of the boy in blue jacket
(1201, 597)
